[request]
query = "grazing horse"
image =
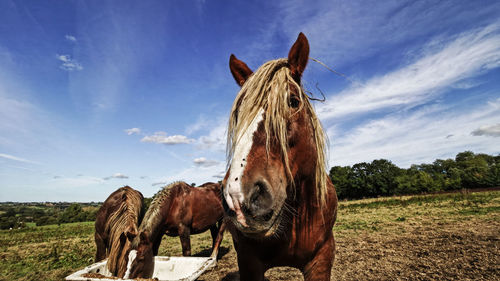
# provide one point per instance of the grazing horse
(177, 210)
(279, 199)
(115, 227)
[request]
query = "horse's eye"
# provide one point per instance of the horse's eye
(294, 102)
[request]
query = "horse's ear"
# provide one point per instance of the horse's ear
(239, 69)
(144, 237)
(298, 56)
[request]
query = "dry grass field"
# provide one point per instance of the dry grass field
(430, 237)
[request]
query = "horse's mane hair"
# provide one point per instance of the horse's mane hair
(125, 218)
(152, 217)
(269, 88)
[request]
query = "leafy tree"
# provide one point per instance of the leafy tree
(340, 177)
(381, 177)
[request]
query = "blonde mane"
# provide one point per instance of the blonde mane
(269, 88)
(125, 218)
(153, 217)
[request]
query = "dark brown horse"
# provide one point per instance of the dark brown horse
(116, 225)
(280, 202)
(178, 210)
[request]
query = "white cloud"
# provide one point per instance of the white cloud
(160, 183)
(488, 130)
(197, 174)
(468, 55)
(116, 176)
(162, 138)
(216, 137)
(68, 63)
(72, 182)
(343, 32)
(15, 158)
(422, 136)
(220, 175)
(70, 38)
(133, 131)
(202, 161)
(199, 125)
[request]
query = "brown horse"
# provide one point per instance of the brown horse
(116, 225)
(280, 201)
(178, 210)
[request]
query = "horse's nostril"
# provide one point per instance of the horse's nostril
(246, 210)
(268, 215)
(260, 202)
(230, 213)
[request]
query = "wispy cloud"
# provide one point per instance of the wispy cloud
(345, 32)
(116, 176)
(70, 38)
(216, 137)
(68, 63)
(133, 131)
(220, 175)
(15, 158)
(421, 136)
(197, 174)
(469, 55)
(488, 130)
(163, 138)
(72, 182)
(204, 162)
(160, 183)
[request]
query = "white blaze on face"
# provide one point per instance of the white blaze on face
(131, 257)
(233, 191)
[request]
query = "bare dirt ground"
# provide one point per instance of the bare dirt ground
(468, 250)
(455, 241)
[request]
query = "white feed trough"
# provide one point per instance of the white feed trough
(165, 269)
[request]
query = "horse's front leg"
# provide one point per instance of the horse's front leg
(184, 235)
(156, 244)
(218, 239)
(213, 233)
(101, 248)
(320, 267)
(250, 267)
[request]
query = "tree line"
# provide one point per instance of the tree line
(17, 215)
(383, 178)
(362, 180)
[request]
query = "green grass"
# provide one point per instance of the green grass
(385, 214)
(53, 252)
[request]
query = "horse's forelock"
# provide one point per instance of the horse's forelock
(268, 89)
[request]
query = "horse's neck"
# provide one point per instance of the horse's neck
(306, 201)
(156, 219)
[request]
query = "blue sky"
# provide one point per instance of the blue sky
(98, 94)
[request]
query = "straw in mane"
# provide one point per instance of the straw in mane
(269, 89)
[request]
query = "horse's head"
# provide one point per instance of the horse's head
(275, 143)
(123, 251)
(140, 258)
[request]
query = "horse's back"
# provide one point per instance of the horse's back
(202, 207)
